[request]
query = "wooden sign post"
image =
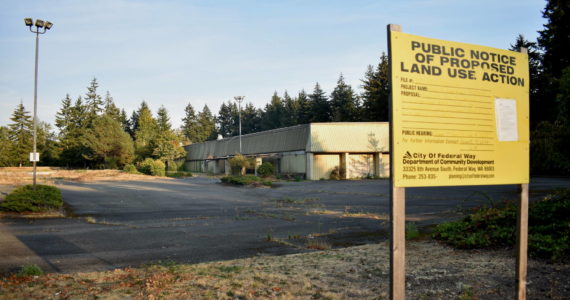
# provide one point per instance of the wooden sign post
(459, 115)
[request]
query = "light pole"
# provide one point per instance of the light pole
(239, 99)
(41, 28)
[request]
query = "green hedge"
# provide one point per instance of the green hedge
(26, 199)
(152, 167)
(266, 169)
(490, 227)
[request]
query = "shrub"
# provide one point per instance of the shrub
(130, 168)
(549, 227)
(26, 199)
(335, 173)
(158, 168)
(239, 163)
(245, 180)
(152, 167)
(30, 270)
(266, 169)
(173, 166)
(145, 166)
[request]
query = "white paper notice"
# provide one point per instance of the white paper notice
(506, 116)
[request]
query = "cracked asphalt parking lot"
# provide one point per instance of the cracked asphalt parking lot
(128, 223)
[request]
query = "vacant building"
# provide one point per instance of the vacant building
(358, 149)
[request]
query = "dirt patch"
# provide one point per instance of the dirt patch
(433, 272)
(51, 175)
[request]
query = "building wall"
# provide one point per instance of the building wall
(313, 149)
(293, 162)
(360, 165)
(323, 165)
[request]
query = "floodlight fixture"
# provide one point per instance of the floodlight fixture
(48, 25)
(39, 23)
(29, 22)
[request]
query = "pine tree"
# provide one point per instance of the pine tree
(272, 117)
(20, 135)
(320, 108)
(189, 123)
(73, 126)
(110, 108)
(555, 37)
(47, 145)
(376, 95)
(93, 102)
(146, 131)
(344, 102)
(62, 117)
(304, 113)
(163, 120)
(290, 110)
(166, 145)
(125, 122)
(206, 126)
(250, 119)
(110, 146)
(537, 83)
(5, 144)
(228, 119)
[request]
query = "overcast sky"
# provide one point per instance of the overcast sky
(205, 52)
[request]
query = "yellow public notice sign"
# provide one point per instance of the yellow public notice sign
(460, 113)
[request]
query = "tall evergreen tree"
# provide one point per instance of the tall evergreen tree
(146, 131)
(555, 37)
(319, 105)
(47, 145)
(344, 102)
(228, 119)
(110, 108)
(272, 117)
(553, 40)
(93, 102)
(290, 110)
(537, 83)
(250, 119)
(110, 146)
(20, 134)
(125, 122)
(189, 123)
(73, 126)
(206, 126)
(63, 116)
(5, 144)
(163, 120)
(304, 113)
(376, 95)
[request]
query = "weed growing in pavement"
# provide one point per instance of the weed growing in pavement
(411, 231)
(30, 270)
(317, 244)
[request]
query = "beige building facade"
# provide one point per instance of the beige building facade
(358, 149)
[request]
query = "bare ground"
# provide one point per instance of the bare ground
(50, 175)
(434, 271)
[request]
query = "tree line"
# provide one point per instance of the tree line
(94, 132)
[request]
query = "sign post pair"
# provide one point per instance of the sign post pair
(459, 116)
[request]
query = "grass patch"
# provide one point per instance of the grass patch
(411, 231)
(492, 227)
(30, 270)
(179, 174)
(26, 199)
(246, 180)
(317, 244)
